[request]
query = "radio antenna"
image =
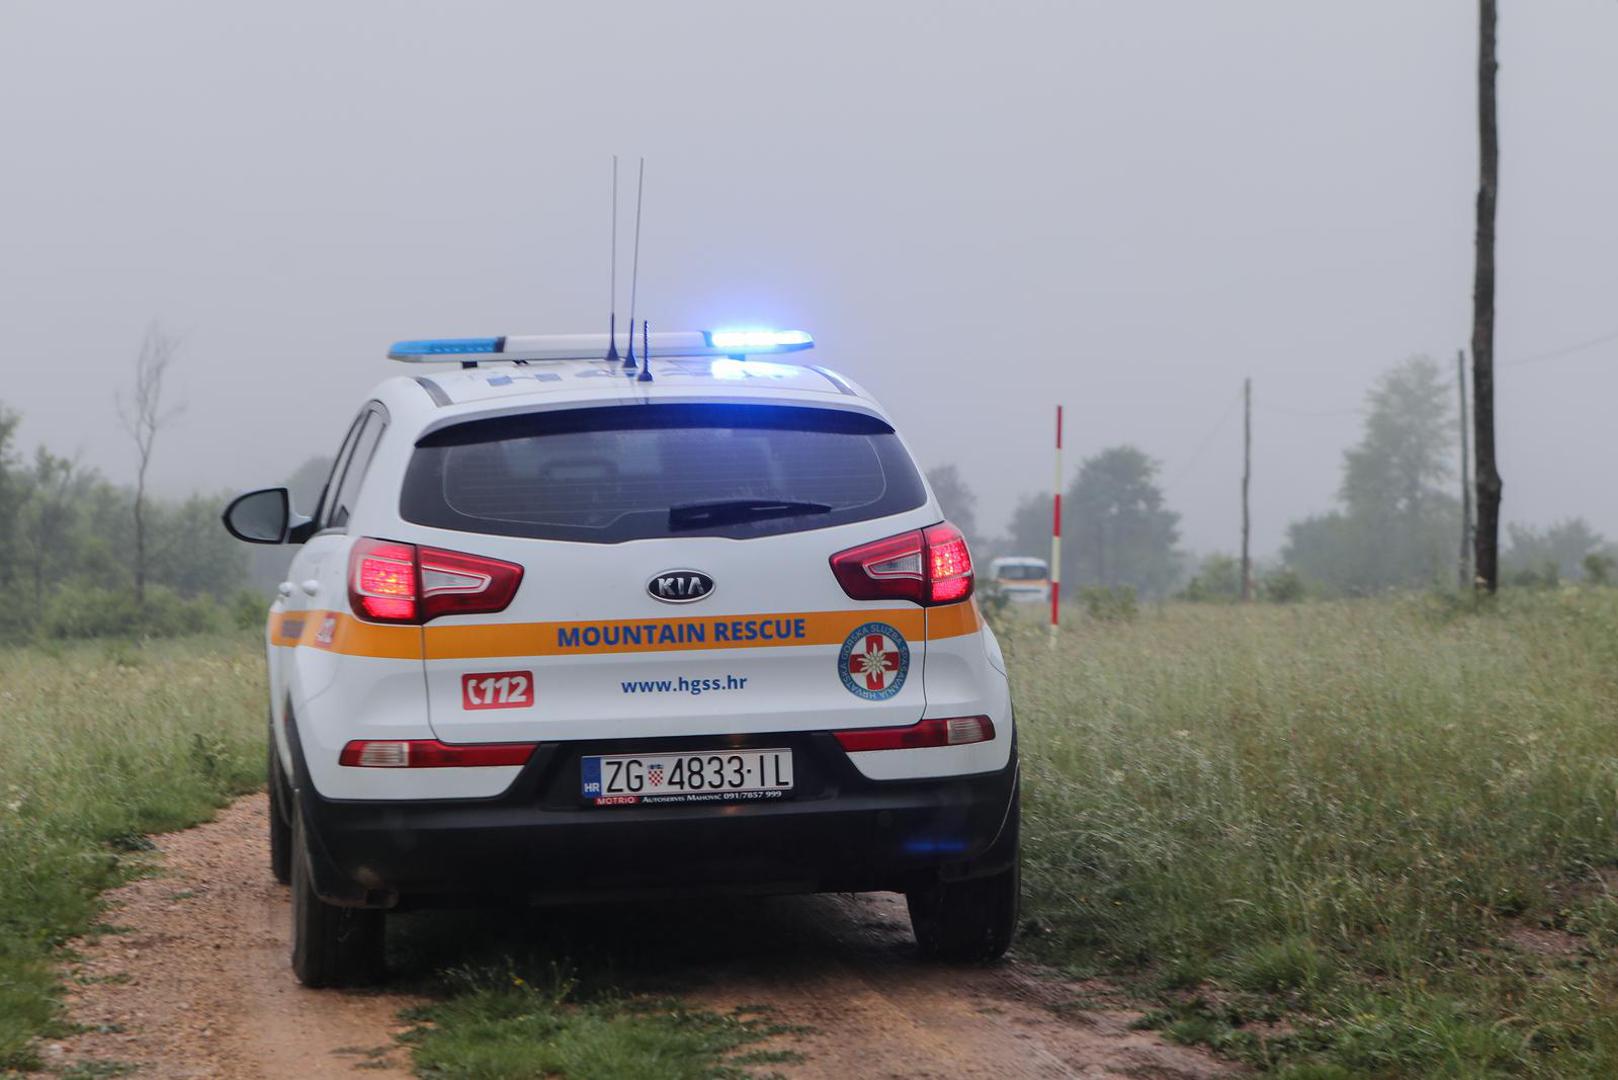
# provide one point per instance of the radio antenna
(634, 273)
(645, 349)
(612, 293)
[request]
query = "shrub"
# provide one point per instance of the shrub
(1282, 586)
(1116, 604)
(1218, 580)
(248, 610)
(88, 611)
(1548, 576)
(18, 615)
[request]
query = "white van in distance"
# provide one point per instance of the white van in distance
(1022, 578)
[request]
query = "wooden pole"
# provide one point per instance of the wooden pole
(1056, 535)
(1247, 481)
(1487, 543)
(1465, 567)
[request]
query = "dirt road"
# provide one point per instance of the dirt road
(198, 984)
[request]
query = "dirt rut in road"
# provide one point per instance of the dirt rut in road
(199, 985)
(875, 1011)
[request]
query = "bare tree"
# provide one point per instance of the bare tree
(1487, 538)
(144, 417)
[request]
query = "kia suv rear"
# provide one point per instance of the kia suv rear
(554, 634)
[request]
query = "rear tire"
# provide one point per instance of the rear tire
(966, 922)
(280, 822)
(972, 921)
(331, 945)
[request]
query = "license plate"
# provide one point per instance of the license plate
(706, 776)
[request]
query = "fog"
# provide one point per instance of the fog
(979, 210)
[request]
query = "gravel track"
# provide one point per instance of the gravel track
(198, 985)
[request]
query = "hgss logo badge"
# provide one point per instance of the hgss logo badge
(874, 662)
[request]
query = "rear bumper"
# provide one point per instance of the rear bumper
(538, 843)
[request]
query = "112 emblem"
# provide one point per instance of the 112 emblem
(497, 690)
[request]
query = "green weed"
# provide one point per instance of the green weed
(103, 745)
(1307, 833)
(506, 1027)
(1342, 810)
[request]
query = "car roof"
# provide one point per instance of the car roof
(445, 396)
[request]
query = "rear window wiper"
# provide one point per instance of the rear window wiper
(732, 511)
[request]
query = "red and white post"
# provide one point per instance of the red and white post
(1056, 534)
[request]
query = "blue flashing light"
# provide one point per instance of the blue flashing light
(745, 341)
(931, 846)
(447, 347)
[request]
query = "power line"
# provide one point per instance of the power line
(1566, 350)
(1360, 411)
(1196, 455)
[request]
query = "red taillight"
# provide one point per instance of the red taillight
(929, 566)
(949, 564)
(955, 731)
(393, 582)
(382, 580)
(454, 583)
(431, 754)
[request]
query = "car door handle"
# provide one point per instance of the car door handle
(284, 589)
(310, 587)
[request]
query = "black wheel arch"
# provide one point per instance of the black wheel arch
(329, 883)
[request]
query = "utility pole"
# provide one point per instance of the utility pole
(1056, 536)
(1247, 481)
(1488, 473)
(1465, 565)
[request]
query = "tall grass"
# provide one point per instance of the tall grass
(99, 745)
(1338, 814)
(1338, 819)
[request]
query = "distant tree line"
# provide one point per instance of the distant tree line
(1117, 530)
(69, 557)
(1398, 519)
(1396, 524)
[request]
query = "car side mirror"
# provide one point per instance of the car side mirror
(264, 517)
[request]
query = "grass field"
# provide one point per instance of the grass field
(1372, 838)
(1336, 840)
(99, 745)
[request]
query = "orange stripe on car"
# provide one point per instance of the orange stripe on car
(953, 620)
(349, 636)
(355, 637)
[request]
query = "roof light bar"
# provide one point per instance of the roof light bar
(470, 346)
(752, 341)
(534, 347)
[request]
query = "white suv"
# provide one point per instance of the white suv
(561, 629)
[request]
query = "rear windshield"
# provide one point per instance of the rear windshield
(615, 473)
(1021, 572)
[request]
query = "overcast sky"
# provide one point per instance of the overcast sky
(978, 209)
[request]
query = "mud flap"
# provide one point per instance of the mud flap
(1003, 853)
(328, 882)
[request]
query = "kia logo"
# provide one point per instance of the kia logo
(680, 586)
